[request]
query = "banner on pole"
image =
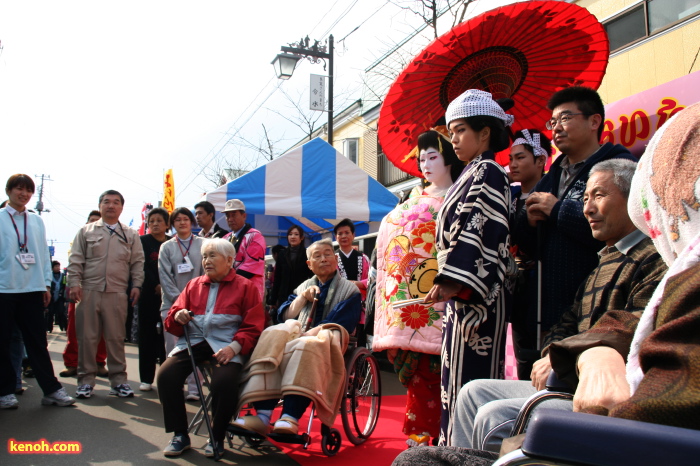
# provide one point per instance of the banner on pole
(169, 192)
(317, 96)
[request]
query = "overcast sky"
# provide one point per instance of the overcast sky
(108, 95)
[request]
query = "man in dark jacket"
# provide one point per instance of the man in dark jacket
(205, 213)
(568, 250)
(57, 307)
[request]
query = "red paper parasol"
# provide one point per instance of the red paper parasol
(525, 51)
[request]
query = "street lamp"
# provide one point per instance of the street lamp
(284, 65)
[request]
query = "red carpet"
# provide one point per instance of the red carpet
(386, 442)
(381, 448)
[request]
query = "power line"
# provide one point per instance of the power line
(323, 17)
(212, 151)
(365, 20)
(150, 188)
(218, 147)
(340, 18)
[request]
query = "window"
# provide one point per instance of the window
(351, 149)
(626, 28)
(647, 18)
(667, 12)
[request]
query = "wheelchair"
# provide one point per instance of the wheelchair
(359, 409)
(556, 437)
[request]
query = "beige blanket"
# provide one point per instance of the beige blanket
(287, 363)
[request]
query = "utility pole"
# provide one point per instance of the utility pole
(40, 202)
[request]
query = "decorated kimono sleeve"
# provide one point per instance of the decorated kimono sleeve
(479, 234)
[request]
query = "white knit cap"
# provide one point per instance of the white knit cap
(474, 102)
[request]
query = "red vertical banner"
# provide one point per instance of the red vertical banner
(143, 229)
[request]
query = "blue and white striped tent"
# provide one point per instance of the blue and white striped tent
(313, 186)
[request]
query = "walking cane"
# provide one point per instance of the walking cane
(199, 389)
(312, 314)
(538, 343)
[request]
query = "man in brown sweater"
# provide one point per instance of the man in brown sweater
(662, 348)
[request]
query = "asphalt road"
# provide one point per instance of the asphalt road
(116, 431)
(111, 430)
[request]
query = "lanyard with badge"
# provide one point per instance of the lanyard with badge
(24, 257)
(186, 266)
(113, 231)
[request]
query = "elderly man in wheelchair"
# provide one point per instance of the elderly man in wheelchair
(626, 367)
(301, 359)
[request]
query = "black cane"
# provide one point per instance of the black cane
(312, 314)
(199, 389)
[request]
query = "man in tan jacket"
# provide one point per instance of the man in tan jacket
(104, 256)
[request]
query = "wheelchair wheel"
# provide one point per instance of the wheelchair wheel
(330, 444)
(363, 396)
(254, 441)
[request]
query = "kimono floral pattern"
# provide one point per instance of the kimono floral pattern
(406, 267)
(412, 333)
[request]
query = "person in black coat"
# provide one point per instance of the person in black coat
(150, 326)
(291, 268)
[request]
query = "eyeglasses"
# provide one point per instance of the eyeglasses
(318, 257)
(564, 118)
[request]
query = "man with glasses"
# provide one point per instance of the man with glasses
(567, 248)
(312, 368)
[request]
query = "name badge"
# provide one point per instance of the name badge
(19, 259)
(27, 258)
(184, 268)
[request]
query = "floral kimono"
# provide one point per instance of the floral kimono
(406, 267)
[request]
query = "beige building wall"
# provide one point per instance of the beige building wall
(649, 63)
(350, 128)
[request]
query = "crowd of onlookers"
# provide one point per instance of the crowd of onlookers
(604, 292)
(214, 276)
(594, 263)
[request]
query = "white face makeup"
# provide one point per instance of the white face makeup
(432, 164)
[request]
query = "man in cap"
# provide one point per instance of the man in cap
(249, 244)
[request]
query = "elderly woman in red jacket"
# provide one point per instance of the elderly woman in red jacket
(227, 320)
